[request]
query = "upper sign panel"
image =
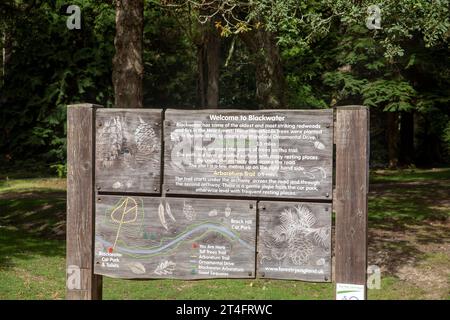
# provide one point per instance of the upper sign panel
(257, 154)
(128, 150)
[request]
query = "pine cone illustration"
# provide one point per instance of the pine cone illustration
(146, 141)
(112, 138)
(300, 248)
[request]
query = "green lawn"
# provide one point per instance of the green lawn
(409, 213)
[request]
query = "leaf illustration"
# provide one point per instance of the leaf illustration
(161, 216)
(126, 212)
(227, 211)
(117, 185)
(165, 268)
(319, 145)
(322, 171)
(188, 211)
(282, 233)
(136, 267)
(169, 212)
(322, 237)
(306, 219)
(212, 213)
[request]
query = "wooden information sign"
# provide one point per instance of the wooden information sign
(264, 154)
(294, 241)
(205, 194)
(128, 150)
(143, 237)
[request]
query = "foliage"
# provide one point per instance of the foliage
(61, 169)
(446, 136)
(329, 58)
(51, 67)
(169, 59)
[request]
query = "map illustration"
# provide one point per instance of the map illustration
(138, 237)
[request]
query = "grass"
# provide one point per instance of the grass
(409, 175)
(409, 212)
(412, 196)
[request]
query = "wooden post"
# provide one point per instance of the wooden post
(82, 284)
(350, 201)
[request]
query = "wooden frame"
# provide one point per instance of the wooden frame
(349, 199)
(82, 284)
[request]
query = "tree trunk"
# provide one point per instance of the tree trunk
(213, 64)
(202, 77)
(270, 82)
(407, 138)
(128, 67)
(392, 138)
(208, 60)
(6, 52)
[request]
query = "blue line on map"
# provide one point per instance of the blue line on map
(207, 226)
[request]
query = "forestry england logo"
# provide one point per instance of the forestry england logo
(373, 21)
(74, 20)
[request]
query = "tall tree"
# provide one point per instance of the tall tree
(128, 67)
(7, 11)
(270, 82)
(208, 60)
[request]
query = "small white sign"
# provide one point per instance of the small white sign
(346, 291)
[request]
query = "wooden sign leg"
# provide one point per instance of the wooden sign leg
(82, 284)
(350, 201)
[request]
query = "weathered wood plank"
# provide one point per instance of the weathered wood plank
(80, 201)
(128, 152)
(294, 241)
(146, 238)
(350, 202)
(263, 154)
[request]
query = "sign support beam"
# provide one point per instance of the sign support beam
(350, 201)
(82, 284)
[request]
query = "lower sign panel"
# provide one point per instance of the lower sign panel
(145, 238)
(294, 241)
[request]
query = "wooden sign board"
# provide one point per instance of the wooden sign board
(294, 241)
(263, 154)
(128, 150)
(143, 237)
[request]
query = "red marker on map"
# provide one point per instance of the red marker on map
(194, 246)
(110, 250)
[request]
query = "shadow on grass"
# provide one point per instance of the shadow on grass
(14, 244)
(31, 223)
(405, 219)
(403, 215)
(396, 205)
(40, 214)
